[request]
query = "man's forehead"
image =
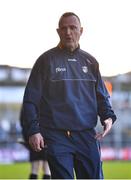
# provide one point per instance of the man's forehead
(69, 20)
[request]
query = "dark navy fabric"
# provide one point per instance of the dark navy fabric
(68, 91)
(79, 150)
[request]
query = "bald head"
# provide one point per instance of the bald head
(67, 14)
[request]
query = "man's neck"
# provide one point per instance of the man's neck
(71, 49)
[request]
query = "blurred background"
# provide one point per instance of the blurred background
(28, 28)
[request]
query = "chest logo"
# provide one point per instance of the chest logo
(60, 69)
(84, 69)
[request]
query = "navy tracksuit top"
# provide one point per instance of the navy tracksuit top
(65, 91)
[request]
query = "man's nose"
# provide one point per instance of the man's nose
(68, 31)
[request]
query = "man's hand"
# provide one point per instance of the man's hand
(36, 142)
(107, 128)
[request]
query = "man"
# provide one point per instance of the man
(66, 85)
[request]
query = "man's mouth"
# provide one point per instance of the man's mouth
(68, 39)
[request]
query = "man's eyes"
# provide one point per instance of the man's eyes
(73, 27)
(70, 27)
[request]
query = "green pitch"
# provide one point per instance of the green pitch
(117, 169)
(112, 170)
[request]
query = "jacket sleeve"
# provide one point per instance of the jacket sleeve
(30, 109)
(105, 110)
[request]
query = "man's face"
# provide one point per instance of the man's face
(69, 32)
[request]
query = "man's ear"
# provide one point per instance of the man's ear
(57, 30)
(81, 30)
